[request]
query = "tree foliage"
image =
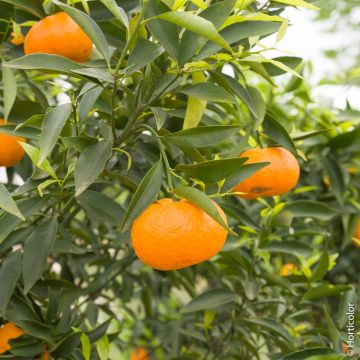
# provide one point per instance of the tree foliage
(174, 92)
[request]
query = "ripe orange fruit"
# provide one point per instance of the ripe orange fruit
(172, 235)
(356, 237)
(60, 35)
(45, 356)
(280, 176)
(11, 151)
(17, 39)
(8, 332)
(140, 354)
(287, 269)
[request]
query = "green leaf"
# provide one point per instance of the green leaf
(31, 6)
(271, 325)
(56, 63)
(298, 3)
(36, 329)
(88, 101)
(276, 131)
(202, 136)
(90, 27)
(201, 200)
(36, 252)
(8, 204)
(53, 123)
(239, 31)
(10, 90)
(27, 207)
(66, 346)
(246, 171)
(295, 248)
(194, 112)
(290, 61)
(10, 271)
(166, 33)
(195, 107)
(308, 208)
(144, 53)
(212, 171)
(324, 290)
(345, 140)
(196, 24)
(34, 155)
(160, 116)
(306, 353)
(90, 164)
(209, 300)
(86, 346)
(216, 13)
(103, 348)
(334, 172)
(100, 207)
(145, 194)
(321, 268)
(208, 91)
(117, 11)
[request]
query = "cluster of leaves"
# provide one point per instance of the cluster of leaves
(175, 90)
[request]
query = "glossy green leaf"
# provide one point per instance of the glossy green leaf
(201, 200)
(190, 42)
(203, 136)
(8, 204)
(306, 353)
(308, 208)
(324, 290)
(271, 325)
(196, 24)
(298, 3)
(209, 300)
(10, 271)
(145, 194)
(36, 251)
(90, 164)
(144, 53)
(10, 90)
(277, 132)
(31, 6)
(34, 155)
(212, 171)
(53, 123)
(167, 33)
(117, 11)
(208, 91)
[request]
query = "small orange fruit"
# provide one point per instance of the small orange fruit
(17, 39)
(140, 354)
(60, 35)
(280, 176)
(172, 235)
(8, 332)
(11, 151)
(45, 356)
(287, 269)
(356, 237)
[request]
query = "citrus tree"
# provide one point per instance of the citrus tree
(173, 192)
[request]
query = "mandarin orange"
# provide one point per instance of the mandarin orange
(60, 35)
(280, 176)
(172, 235)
